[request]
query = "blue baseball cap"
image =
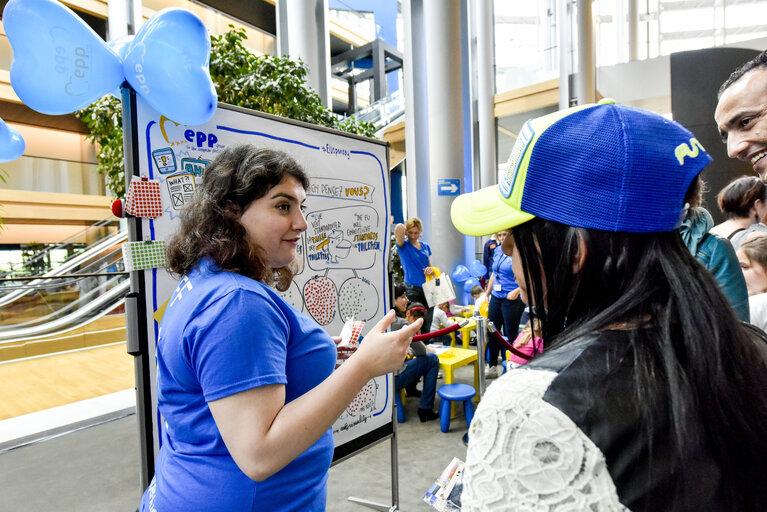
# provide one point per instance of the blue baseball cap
(598, 166)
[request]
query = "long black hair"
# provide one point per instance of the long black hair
(705, 364)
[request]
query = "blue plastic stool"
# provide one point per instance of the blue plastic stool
(400, 406)
(455, 393)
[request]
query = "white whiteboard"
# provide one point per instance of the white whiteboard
(344, 252)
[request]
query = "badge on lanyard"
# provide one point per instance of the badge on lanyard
(497, 287)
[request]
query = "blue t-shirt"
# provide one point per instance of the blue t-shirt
(414, 261)
(504, 275)
(223, 333)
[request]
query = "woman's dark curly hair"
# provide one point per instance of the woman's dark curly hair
(210, 225)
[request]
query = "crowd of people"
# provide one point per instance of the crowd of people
(651, 392)
(643, 385)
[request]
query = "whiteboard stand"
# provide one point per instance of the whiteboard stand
(394, 475)
(137, 341)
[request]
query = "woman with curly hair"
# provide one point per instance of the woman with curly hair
(246, 384)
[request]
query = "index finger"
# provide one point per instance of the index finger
(411, 330)
(384, 322)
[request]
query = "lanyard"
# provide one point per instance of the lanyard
(497, 268)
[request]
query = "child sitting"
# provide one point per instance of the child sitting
(526, 344)
(440, 320)
(476, 294)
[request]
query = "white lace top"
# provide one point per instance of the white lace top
(525, 454)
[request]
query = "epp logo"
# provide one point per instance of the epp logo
(201, 138)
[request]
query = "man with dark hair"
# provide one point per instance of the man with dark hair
(741, 114)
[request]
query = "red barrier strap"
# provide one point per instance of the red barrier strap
(504, 342)
(430, 335)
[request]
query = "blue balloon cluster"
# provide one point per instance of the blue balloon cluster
(11, 143)
(61, 65)
(461, 273)
(469, 275)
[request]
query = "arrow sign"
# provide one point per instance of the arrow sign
(448, 187)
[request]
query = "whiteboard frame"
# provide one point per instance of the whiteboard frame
(139, 302)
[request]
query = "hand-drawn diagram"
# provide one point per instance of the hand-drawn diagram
(343, 238)
(194, 166)
(365, 400)
(300, 251)
(320, 296)
(165, 160)
(181, 189)
(335, 246)
(358, 299)
(341, 189)
(293, 296)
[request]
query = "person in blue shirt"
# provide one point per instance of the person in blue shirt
(246, 385)
(487, 257)
(505, 310)
(415, 257)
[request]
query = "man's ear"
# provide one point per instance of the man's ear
(580, 256)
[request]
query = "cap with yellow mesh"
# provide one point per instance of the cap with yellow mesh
(599, 166)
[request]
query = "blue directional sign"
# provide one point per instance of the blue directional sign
(448, 187)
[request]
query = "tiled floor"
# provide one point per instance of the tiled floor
(96, 468)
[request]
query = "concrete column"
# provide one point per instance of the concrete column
(416, 122)
(619, 22)
(302, 32)
(585, 73)
(123, 18)
(565, 50)
(485, 88)
(633, 23)
(444, 63)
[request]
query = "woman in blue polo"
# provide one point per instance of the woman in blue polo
(245, 383)
(506, 307)
(415, 257)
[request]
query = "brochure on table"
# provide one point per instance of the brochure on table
(344, 252)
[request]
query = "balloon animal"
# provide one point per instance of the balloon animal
(61, 65)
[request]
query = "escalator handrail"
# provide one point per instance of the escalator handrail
(102, 304)
(65, 268)
(117, 278)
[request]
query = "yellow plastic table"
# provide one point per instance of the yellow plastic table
(465, 334)
(455, 358)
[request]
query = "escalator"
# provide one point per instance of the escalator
(384, 112)
(76, 305)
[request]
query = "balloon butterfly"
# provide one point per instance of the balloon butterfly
(60, 65)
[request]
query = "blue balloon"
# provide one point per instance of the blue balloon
(60, 64)
(167, 64)
(461, 274)
(11, 143)
(472, 281)
(477, 268)
(120, 47)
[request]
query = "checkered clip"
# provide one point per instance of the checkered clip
(144, 255)
(143, 198)
(350, 333)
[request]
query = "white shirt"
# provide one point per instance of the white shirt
(439, 320)
(758, 306)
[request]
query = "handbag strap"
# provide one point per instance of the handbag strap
(735, 233)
